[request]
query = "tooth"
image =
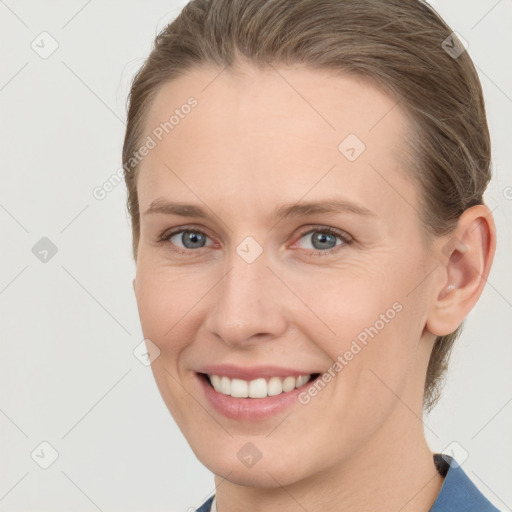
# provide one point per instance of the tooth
(225, 384)
(239, 388)
(258, 388)
(274, 386)
(215, 380)
(288, 384)
(301, 380)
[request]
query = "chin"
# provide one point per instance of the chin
(268, 472)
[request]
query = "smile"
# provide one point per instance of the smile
(252, 400)
(257, 388)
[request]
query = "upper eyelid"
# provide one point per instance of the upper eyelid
(335, 231)
(174, 231)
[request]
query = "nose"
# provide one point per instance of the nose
(248, 304)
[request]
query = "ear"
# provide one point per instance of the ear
(466, 256)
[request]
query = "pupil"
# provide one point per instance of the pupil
(322, 238)
(192, 240)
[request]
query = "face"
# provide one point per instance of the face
(302, 255)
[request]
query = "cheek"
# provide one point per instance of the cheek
(372, 360)
(163, 304)
(163, 301)
(371, 327)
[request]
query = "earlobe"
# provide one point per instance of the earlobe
(466, 257)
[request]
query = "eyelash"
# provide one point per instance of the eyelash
(344, 237)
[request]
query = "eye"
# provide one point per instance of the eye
(322, 239)
(190, 238)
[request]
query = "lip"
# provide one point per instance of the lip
(252, 372)
(250, 409)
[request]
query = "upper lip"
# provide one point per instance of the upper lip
(251, 372)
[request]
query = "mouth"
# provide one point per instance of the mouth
(263, 387)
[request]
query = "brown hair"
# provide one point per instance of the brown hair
(401, 45)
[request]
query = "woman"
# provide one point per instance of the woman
(305, 186)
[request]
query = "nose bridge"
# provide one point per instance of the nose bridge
(247, 298)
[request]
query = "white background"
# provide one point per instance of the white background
(68, 326)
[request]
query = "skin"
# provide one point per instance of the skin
(256, 140)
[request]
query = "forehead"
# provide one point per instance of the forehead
(273, 130)
(323, 103)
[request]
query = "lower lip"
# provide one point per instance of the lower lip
(250, 409)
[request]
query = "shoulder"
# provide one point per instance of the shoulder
(458, 493)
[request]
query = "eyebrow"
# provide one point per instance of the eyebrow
(287, 210)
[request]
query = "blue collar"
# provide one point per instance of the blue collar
(458, 493)
(205, 507)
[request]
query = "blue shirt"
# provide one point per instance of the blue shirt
(458, 493)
